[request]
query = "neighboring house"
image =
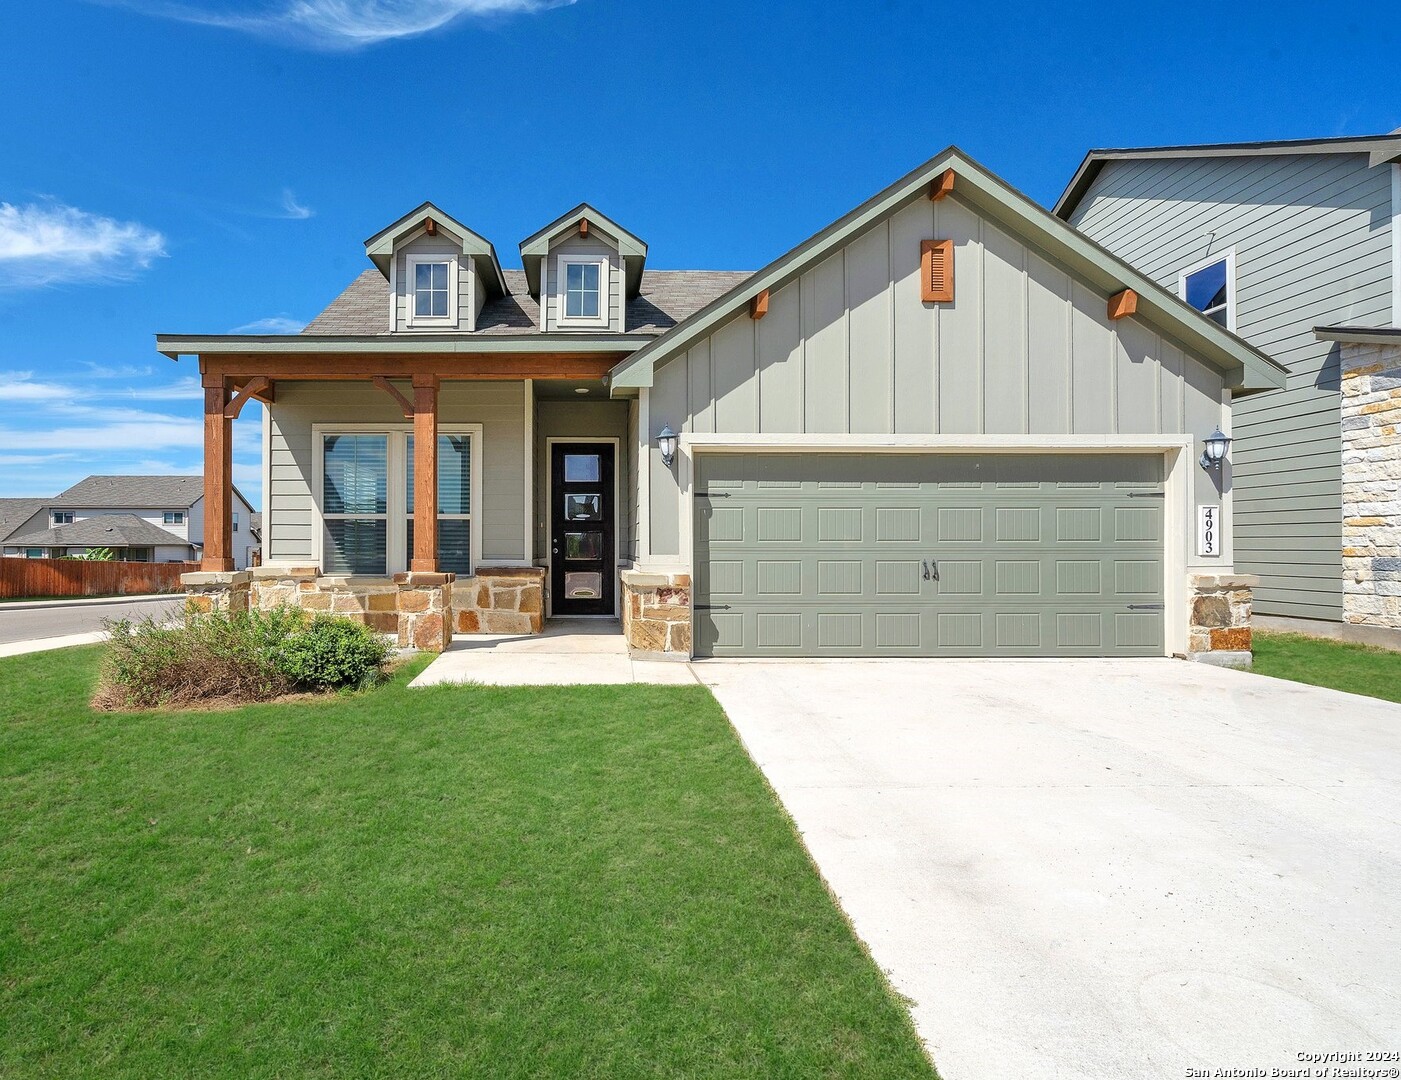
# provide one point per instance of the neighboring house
(1295, 246)
(947, 424)
(138, 518)
(20, 516)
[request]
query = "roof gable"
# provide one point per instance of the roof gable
(536, 247)
(15, 512)
(1243, 365)
(106, 530)
(380, 247)
(1379, 149)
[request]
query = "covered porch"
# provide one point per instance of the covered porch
(412, 489)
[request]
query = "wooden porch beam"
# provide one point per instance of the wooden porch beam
(425, 476)
(218, 478)
(260, 387)
(393, 391)
(495, 367)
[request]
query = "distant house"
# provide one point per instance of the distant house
(1296, 247)
(138, 518)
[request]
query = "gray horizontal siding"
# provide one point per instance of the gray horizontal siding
(498, 407)
(850, 348)
(1312, 238)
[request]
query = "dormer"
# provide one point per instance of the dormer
(583, 269)
(440, 272)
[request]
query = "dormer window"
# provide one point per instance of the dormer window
(432, 290)
(583, 291)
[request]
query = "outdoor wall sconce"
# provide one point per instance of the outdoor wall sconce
(666, 443)
(1214, 450)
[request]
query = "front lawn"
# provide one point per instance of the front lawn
(448, 882)
(1339, 665)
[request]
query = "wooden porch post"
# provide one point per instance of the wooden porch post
(218, 477)
(425, 474)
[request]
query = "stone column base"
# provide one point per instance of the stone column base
(1218, 623)
(226, 591)
(657, 613)
(500, 600)
(425, 610)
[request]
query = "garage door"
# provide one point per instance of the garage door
(928, 555)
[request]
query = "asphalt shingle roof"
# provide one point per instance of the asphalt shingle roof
(667, 297)
(139, 492)
(15, 512)
(104, 530)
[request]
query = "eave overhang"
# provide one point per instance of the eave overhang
(535, 247)
(380, 247)
(1359, 335)
(177, 345)
(1245, 367)
(1380, 149)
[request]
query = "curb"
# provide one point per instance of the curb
(81, 601)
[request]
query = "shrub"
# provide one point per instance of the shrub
(331, 653)
(233, 658)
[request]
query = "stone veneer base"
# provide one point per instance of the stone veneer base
(1218, 620)
(657, 613)
(500, 600)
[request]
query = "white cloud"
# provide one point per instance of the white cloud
(187, 388)
(49, 243)
(335, 24)
(293, 210)
(115, 371)
(20, 386)
(277, 324)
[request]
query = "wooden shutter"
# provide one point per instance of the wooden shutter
(936, 271)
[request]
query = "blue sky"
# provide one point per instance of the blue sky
(207, 166)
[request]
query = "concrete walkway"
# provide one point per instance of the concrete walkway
(568, 653)
(1108, 869)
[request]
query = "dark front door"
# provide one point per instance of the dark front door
(581, 528)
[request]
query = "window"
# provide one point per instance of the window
(33, 553)
(1210, 287)
(454, 503)
(177, 517)
(367, 500)
(354, 502)
(583, 291)
(63, 517)
(432, 290)
(235, 521)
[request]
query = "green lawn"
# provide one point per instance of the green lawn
(453, 882)
(1358, 669)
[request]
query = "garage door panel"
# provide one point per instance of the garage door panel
(915, 555)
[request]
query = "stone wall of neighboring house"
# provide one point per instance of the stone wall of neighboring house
(657, 612)
(1218, 630)
(1371, 415)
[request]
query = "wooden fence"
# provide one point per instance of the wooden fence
(78, 577)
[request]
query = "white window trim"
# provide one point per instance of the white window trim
(414, 260)
(605, 290)
(179, 515)
(1229, 258)
(396, 503)
(54, 521)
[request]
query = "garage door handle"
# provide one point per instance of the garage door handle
(931, 569)
(1145, 607)
(712, 495)
(712, 607)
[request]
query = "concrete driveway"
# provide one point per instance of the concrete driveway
(1111, 869)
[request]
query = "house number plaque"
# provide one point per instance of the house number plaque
(1208, 530)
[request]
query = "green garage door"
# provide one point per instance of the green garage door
(928, 555)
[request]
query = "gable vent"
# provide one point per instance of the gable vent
(936, 271)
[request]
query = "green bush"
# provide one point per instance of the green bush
(331, 653)
(234, 657)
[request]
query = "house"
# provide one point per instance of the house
(946, 424)
(138, 518)
(1295, 246)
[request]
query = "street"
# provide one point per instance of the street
(60, 620)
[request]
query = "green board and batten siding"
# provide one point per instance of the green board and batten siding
(890, 555)
(1312, 242)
